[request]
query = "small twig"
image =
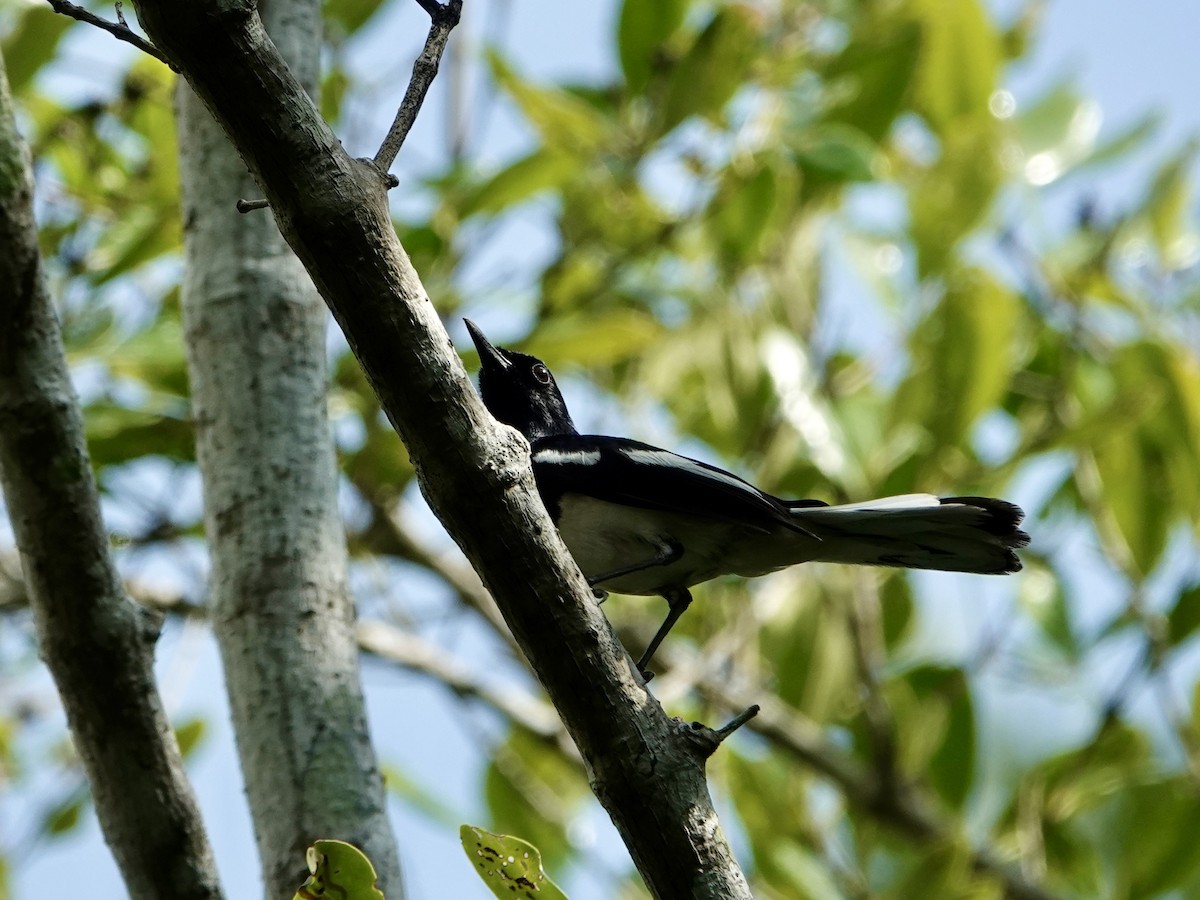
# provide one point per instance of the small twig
(738, 721)
(245, 206)
(415, 654)
(704, 741)
(119, 29)
(443, 18)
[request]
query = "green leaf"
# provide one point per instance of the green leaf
(869, 81)
(595, 340)
(338, 870)
(1057, 133)
(509, 866)
(31, 44)
(946, 871)
(64, 816)
(741, 212)
(836, 152)
(809, 649)
(542, 170)
(1156, 827)
(959, 66)
(189, 734)
(1041, 597)
(711, 72)
(1184, 617)
(1145, 457)
(1125, 142)
(951, 197)
(350, 15)
(564, 121)
(118, 433)
(334, 86)
(641, 31)
(963, 358)
(951, 768)
(1167, 207)
(896, 607)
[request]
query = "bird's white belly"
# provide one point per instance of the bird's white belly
(604, 537)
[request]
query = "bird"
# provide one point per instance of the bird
(642, 520)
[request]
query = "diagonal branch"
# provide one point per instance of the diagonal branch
(119, 29)
(414, 653)
(97, 643)
(475, 474)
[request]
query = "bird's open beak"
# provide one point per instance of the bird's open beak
(489, 356)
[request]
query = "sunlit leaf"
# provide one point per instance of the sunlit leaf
(31, 44)
(509, 866)
(350, 15)
(189, 735)
(741, 212)
(963, 357)
(537, 172)
(595, 340)
(1042, 598)
(836, 152)
(338, 870)
(641, 31)
(1169, 201)
(960, 60)
(947, 871)
(1184, 617)
(951, 767)
(870, 79)
(64, 816)
(951, 197)
(1057, 133)
(709, 74)
(563, 121)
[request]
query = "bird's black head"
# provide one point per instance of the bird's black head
(519, 390)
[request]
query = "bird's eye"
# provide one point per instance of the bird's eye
(542, 374)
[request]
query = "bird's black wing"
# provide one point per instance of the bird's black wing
(630, 473)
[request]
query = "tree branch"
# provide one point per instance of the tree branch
(443, 18)
(119, 29)
(414, 653)
(97, 644)
(475, 474)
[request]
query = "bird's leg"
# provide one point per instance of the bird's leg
(678, 600)
(668, 552)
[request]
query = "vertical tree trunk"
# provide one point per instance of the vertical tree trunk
(255, 333)
(98, 644)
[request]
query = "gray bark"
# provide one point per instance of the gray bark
(255, 334)
(647, 769)
(96, 642)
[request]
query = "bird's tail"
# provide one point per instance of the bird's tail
(919, 531)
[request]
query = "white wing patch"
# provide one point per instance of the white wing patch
(553, 455)
(665, 458)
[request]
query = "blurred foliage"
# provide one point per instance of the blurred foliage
(821, 243)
